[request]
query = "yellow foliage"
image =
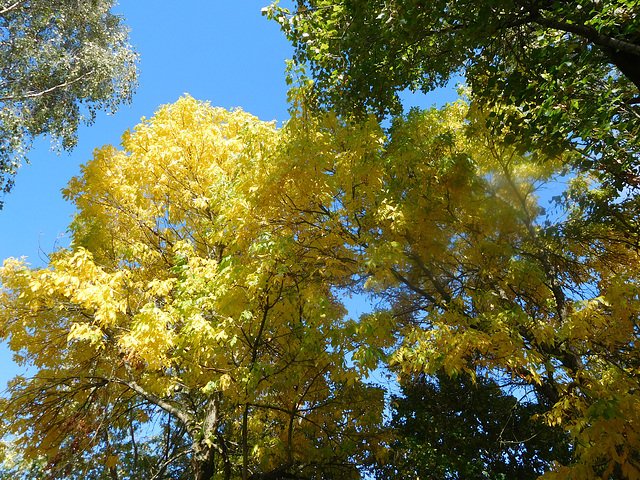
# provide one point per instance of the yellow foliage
(444, 225)
(188, 288)
(208, 252)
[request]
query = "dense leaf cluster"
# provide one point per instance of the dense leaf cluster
(61, 61)
(195, 325)
(456, 428)
(181, 302)
(571, 68)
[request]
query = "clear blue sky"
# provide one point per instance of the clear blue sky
(225, 52)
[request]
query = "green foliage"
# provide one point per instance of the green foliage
(572, 69)
(456, 428)
(62, 60)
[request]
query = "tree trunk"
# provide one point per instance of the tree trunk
(203, 462)
(628, 64)
(245, 443)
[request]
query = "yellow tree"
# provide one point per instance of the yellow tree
(207, 254)
(442, 221)
(183, 295)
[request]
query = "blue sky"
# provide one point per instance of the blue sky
(225, 52)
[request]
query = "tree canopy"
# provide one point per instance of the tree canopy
(181, 299)
(460, 428)
(62, 60)
(202, 289)
(445, 225)
(571, 68)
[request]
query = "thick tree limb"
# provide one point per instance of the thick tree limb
(167, 407)
(11, 7)
(590, 34)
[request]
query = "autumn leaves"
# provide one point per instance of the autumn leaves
(202, 287)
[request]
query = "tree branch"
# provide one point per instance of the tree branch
(162, 467)
(11, 7)
(44, 92)
(416, 289)
(591, 34)
(167, 407)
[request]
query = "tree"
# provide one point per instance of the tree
(140, 454)
(442, 223)
(571, 68)
(181, 299)
(459, 428)
(206, 260)
(62, 60)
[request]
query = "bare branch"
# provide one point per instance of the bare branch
(11, 7)
(44, 92)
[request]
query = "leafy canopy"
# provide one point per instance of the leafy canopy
(445, 226)
(201, 287)
(183, 299)
(460, 428)
(62, 60)
(572, 69)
